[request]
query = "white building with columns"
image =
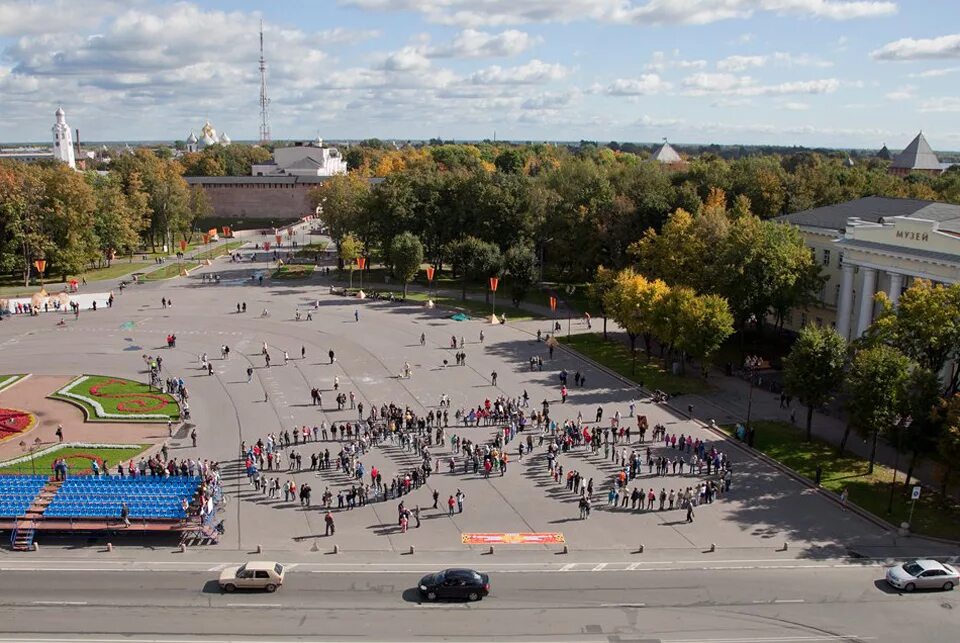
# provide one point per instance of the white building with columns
(872, 244)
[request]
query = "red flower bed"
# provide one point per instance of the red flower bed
(135, 402)
(84, 466)
(14, 422)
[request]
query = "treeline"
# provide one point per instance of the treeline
(76, 220)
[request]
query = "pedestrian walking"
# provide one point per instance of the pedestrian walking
(331, 528)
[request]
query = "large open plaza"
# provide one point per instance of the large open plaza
(767, 520)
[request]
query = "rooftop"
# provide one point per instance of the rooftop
(873, 209)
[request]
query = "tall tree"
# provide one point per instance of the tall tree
(520, 265)
(406, 255)
(340, 199)
(706, 322)
(876, 393)
(814, 369)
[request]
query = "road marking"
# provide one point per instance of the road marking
(218, 568)
(599, 568)
(568, 567)
(789, 600)
(633, 566)
(253, 605)
(58, 603)
(777, 639)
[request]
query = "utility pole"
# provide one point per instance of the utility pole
(264, 101)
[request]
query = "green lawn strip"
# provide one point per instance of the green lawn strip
(169, 271)
(7, 381)
(311, 249)
(109, 404)
(615, 355)
(933, 515)
(218, 251)
(294, 271)
(472, 307)
(43, 463)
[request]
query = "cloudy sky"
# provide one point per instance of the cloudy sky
(845, 73)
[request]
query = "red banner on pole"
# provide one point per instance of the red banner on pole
(40, 265)
(494, 282)
(279, 238)
(183, 245)
(206, 238)
(553, 304)
(266, 245)
(430, 272)
(361, 262)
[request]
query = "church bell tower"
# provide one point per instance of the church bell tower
(63, 141)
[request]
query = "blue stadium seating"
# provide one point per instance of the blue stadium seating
(147, 498)
(18, 492)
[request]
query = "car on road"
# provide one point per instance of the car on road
(455, 583)
(923, 574)
(255, 574)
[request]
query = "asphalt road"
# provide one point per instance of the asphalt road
(845, 603)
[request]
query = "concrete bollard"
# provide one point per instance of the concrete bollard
(109, 546)
(36, 546)
(565, 550)
(640, 551)
(785, 547)
(259, 549)
(183, 548)
(413, 550)
(713, 547)
(336, 549)
(491, 550)
(314, 546)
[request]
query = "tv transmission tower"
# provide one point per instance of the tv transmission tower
(264, 101)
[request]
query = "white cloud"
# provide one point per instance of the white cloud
(935, 73)
(740, 63)
(920, 49)
(660, 62)
(730, 84)
(645, 84)
(794, 106)
(949, 104)
(531, 73)
(29, 17)
(475, 13)
(904, 93)
(341, 36)
(654, 122)
(471, 43)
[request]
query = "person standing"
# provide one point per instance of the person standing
(450, 504)
(436, 498)
(460, 498)
(330, 527)
(60, 432)
(493, 378)
(125, 514)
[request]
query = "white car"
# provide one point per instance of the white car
(257, 574)
(923, 574)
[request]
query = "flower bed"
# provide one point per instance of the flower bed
(13, 422)
(113, 399)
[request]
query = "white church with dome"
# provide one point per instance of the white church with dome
(208, 137)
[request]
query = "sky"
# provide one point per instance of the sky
(835, 73)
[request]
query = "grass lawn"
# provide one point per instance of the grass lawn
(121, 399)
(312, 249)
(295, 271)
(218, 251)
(9, 380)
(471, 307)
(933, 515)
(616, 356)
(78, 459)
(169, 271)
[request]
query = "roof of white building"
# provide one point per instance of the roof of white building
(666, 154)
(874, 209)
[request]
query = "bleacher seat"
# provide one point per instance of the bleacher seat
(17, 493)
(147, 498)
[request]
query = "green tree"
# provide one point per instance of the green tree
(814, 369)
(510, 161)
(341, 200)
(597, 291)
(347, 252)
(23, 233)
(115, 224)
(706, 322)
(925, 326)
(406, 255)
(474, 259)
(520, 265)
(200, 208)
(876, 391)
(633, 301)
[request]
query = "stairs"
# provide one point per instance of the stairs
(22, 538)
(24, 529)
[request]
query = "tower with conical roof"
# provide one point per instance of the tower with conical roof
(63, 140)
(917, 157)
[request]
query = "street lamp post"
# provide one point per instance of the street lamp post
(751, 364)
(902, 425)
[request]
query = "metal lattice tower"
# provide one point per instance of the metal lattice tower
(264, 101)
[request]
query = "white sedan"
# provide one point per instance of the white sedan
(923, 574)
